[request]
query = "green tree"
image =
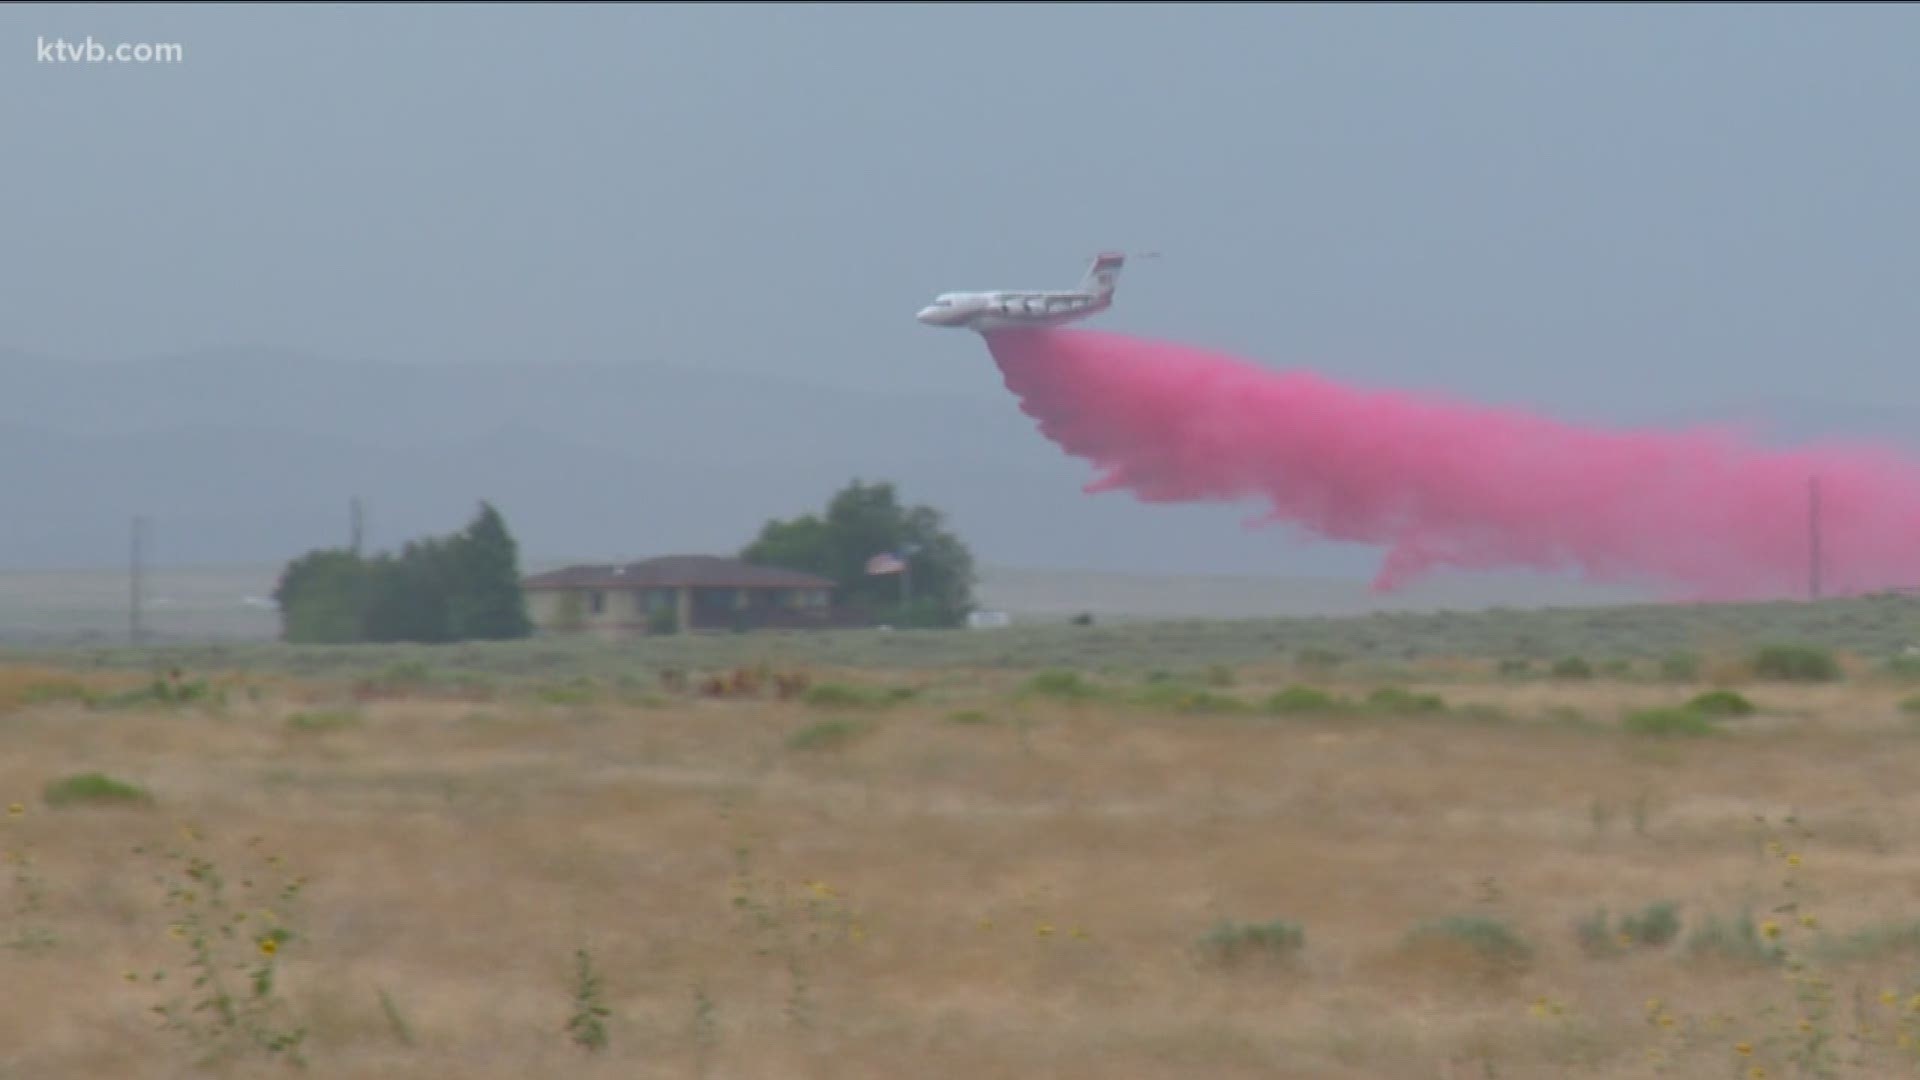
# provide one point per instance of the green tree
(487, 603)
(323, 597)
(861, 521)
(456, 588)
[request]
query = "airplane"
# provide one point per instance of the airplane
(1007, 310)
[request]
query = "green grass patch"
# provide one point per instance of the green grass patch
(1736, 940)
(1232, 943)
(847, 696)
(165, 691)
(1192, 700)
(1302, 700)
(94, 789)
(1722, 703)
(1902, 667)
(1654, 926)
(1911, 706)
(1668, 723)
(1680, 667)
(49, 693)
(1572, 667)
(314, 721)
(1060, 684)
(826, 735)
(1490, 940)
(1399, 701)
(577, 692)
(969, 718)
(1796, 663)
(1876, 943)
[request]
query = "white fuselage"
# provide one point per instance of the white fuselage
(1010, 310)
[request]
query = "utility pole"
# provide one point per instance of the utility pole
(1813, 537)
(907, 552)
(358, 524)
(133, 609)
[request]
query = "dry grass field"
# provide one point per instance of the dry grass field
(958, 873)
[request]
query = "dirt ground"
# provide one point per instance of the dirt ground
(971, 882)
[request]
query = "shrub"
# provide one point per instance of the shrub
(1721, 703)
(1515, 668)
(1572, 667)
(1903, 667)
(1220, 676)
(826, 735)
(1318, 659)
(1301, 699)
(1490, 940)
(1736, 940)
(1058, 683)
(324, 720)
(1680, 667)
(1187, 699)
(1596, 939)
(170, 689)
(1230, 942)
(94, 789)
(1655, 925)
(1911, 706)
(577, 692)
(1399, 701)
(843, 696)
(1796, 663)
(1666, 723)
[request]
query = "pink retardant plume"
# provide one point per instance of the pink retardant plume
(1449, 485)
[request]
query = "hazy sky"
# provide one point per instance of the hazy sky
(1577, 208)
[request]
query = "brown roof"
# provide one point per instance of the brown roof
(675, 571)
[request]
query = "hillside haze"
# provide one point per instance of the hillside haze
(250, 456)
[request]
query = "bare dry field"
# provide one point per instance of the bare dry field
(956, 872)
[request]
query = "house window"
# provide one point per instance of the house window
(597, 603)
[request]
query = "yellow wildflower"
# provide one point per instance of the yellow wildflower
(1914, 1003)
(1756, 1073)
(1081, 933)
(1888, 997)
(15, 809)
(986, 924)
(1793, 860)
(1653, 1005)
(1805, 1024)
(1743, 1049)
(1626, 940)
(133, 976)
(1539, 1007)
(1044, 930)
(1667, 1020)
(1809, 921)
(268, 946)
(1770, 929)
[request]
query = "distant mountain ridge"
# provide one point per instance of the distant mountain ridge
(250, 456)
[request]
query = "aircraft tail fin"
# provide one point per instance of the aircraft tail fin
(1103, 274)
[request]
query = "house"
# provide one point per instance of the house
(680, 592)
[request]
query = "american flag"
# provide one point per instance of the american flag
(885, 563)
